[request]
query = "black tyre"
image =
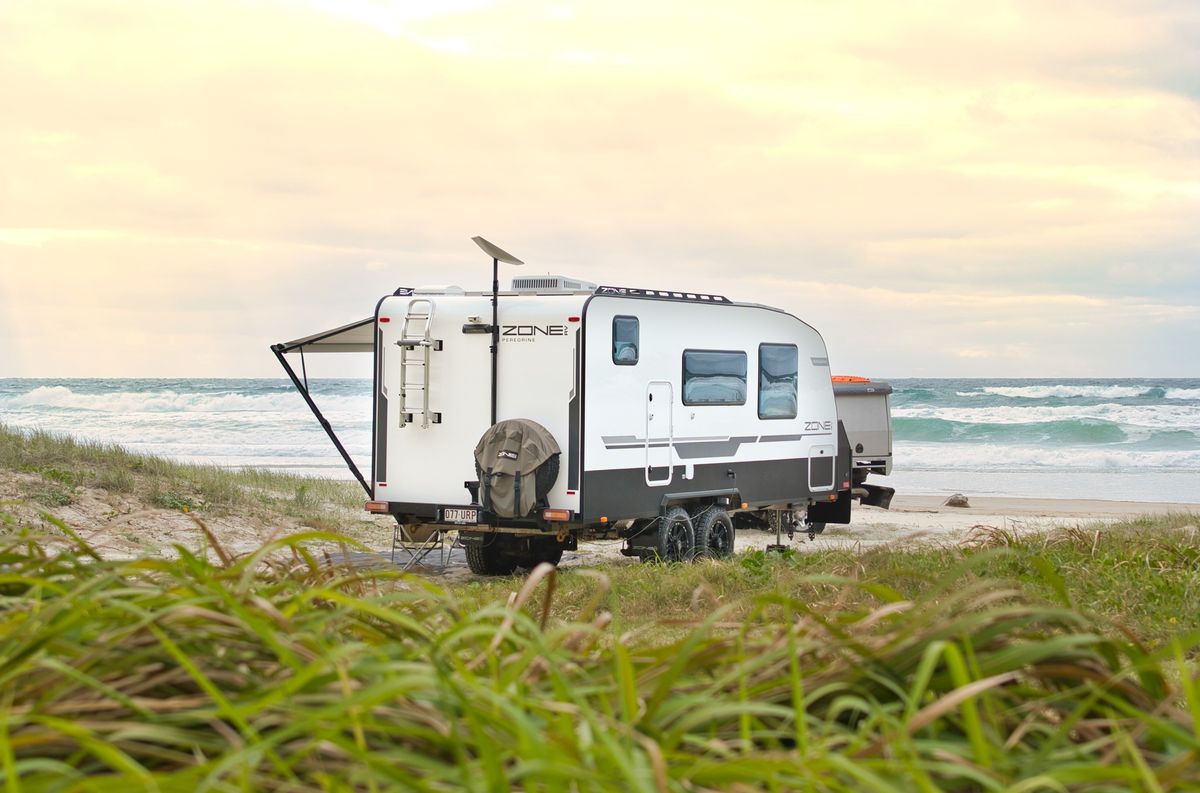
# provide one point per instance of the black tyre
(551, 552)
(714, 534)
(539, 551)
(675, 540)
(490, 557)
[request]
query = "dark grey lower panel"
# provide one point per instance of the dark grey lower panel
(381, 433)
(623, 493)
(379, 448)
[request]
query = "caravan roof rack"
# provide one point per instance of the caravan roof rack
(661, 294)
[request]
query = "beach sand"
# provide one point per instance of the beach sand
(910, 519)
(119, 526)
(926, 516)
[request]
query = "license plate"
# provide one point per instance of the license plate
(459, 515)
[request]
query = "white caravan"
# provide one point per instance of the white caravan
(673, 418)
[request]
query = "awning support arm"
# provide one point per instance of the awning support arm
(278, 349)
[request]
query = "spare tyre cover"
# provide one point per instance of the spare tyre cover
(509, 455)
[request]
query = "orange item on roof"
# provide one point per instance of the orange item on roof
(849, 378)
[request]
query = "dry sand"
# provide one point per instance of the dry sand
(119, 526)
(913, 517)
(910, 519)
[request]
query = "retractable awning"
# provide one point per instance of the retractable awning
(355, 337)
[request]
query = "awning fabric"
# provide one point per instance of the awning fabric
(355, 337)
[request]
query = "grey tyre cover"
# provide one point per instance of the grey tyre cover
(509, 455)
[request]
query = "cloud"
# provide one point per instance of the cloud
(289, 161)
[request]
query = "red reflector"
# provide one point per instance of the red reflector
(570, 492)
(556, 514)
(833, 498)
(572, 319)
(385, 319)
(846, 485)
(381, 484)
(376, 506)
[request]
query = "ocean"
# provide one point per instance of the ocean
(1135, 440)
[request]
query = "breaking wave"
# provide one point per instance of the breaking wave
(170, 401)
(1069, 431)
(1070, 392)
(1126, 416)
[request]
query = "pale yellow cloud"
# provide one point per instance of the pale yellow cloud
(234, 170)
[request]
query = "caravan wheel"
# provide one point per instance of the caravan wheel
(714, 534)
(540, 550)
(490, 557)
(675, 540)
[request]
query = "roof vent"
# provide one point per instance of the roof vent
(550, 283)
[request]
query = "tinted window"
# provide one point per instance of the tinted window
(625, 341)
(777, 368)
(711, 377)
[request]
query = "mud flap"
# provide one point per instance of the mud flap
(831, 511)
(878, 496)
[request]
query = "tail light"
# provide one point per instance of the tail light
(556, 514)
(376, 506)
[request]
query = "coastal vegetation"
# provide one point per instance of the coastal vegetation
(279, 670)
(50, 469)
(1062, 660)
(1140, 575)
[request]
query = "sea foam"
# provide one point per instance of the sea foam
(1069, 391)
(1149, 416)
(169, 401)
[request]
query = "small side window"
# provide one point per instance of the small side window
(777, 372)
(625, 341)
(714, 377)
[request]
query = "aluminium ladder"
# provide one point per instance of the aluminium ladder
(415, 346)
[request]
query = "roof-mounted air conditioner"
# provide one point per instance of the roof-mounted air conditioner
(550, 283)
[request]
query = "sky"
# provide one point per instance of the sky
(999, 189)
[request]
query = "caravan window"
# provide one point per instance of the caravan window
(625, 341)
(777, 370)
(714, 377)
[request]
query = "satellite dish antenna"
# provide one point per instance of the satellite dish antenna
(497, 255)
(495, 251)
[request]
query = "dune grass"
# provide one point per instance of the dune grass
(1142, 575)
(1064, 660)
(63, 464)
(281, 671)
